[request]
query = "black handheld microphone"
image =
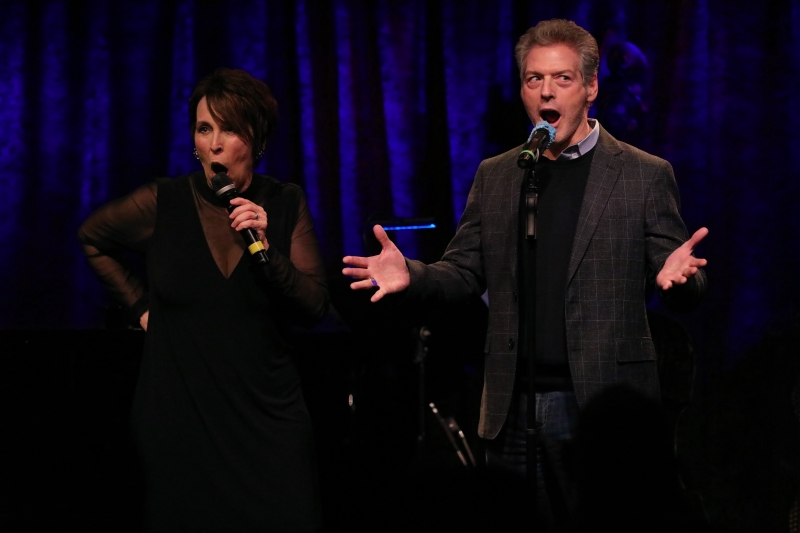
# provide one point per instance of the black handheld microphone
(540, 138)
(226, 191)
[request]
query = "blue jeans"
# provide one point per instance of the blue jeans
(557, 412)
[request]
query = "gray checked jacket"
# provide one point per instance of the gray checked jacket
(628, 225)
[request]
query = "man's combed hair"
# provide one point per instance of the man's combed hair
(560, 31)
(239, 102)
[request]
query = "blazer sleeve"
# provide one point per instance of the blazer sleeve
(664, 233)
(460, 273)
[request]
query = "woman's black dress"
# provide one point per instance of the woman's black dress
(219, 419)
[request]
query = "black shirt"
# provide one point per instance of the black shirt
(561, 186)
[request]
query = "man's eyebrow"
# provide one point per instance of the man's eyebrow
(558, 73)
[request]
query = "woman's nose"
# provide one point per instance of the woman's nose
(216, 143)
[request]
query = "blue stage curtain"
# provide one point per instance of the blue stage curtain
(386, 110)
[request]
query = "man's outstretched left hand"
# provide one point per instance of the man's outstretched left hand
(681, 264)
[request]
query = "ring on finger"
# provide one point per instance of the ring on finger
(255, 217)
(374, 281)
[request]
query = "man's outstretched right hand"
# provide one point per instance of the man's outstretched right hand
(386, 271)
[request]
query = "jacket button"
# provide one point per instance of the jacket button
(511, 344)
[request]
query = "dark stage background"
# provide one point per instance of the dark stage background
(387, 108)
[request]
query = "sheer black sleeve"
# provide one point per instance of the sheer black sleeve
(300, 278)
(123, 224)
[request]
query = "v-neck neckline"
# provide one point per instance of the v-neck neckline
(200, 185)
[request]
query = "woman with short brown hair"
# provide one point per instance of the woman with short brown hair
(219, 419)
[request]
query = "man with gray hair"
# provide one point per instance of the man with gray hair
(608, 226)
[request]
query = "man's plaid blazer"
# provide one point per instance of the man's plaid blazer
(628, 225)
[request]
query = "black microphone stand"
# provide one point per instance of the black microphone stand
(528, 332)
(421, 334)
(541, 137)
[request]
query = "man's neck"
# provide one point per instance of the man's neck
(554, 150)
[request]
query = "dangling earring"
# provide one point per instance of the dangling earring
(196, 155)
(259, 155)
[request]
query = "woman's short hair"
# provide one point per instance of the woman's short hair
(560, 31)
(239, 102)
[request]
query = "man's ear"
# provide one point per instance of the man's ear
(591, 90)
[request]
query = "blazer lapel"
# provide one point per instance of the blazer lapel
(606, 167)
(515, 189)
(502, 188)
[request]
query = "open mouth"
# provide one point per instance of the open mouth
(218, 167)
(550, 116)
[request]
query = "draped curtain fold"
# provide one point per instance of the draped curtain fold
(386, 110)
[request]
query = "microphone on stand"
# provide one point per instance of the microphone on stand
(540, 138)
(226, 191)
